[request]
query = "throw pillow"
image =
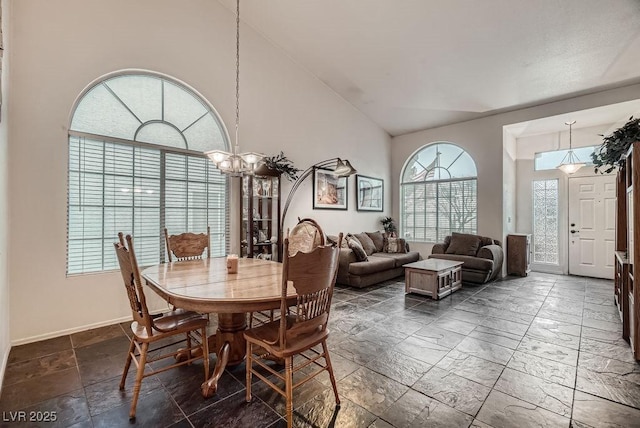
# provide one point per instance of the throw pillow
(463, 244)
(367, 243)
(395, 245)
(357, 249)
(378, 240)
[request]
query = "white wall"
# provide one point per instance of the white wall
(61, 46)
(483, 139)
(528, 146)
(5, 344)
(508, 187)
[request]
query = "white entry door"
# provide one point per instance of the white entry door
(592, 225)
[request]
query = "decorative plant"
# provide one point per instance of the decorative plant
(389, 225)
(283, 165)
(614, 147)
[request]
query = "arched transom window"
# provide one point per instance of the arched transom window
(136, 165)
(438, 193)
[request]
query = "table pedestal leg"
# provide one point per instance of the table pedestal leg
(230, 347)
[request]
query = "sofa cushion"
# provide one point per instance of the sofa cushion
(356, 247)
(373, 265)
(367, 243)
(400, 259)
(395, 245)
(470, 262)
(378, 240)
(463, 244)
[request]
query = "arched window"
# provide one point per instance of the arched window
(136, 165)
(438, 193)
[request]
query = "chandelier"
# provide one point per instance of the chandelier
(570, 163)
(235, 163)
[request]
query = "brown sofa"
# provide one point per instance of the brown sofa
(482, 256)
(379, 265)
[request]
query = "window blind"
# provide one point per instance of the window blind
(138, 189)
(432, 210)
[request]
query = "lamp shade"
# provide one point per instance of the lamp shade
(570, 163)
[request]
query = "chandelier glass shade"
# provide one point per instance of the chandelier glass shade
(235, 163)
(570, 163)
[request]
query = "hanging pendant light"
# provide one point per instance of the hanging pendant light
(235, 163)
(570, 163)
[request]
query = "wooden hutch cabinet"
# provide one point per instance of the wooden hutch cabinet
(518, 254)
(260, 215)
(627, 255)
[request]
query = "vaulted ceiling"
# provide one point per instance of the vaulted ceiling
(416, 64)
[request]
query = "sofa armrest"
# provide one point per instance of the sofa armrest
(439, 249)
(345, 258)
(492, 252)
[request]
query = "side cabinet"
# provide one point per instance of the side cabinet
(518, 254)
(627, 256)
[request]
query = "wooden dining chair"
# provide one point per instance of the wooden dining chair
(313, 275)
(187, 246)
(147, 329)
(305, 236)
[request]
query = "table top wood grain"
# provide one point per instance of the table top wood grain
(205, 286)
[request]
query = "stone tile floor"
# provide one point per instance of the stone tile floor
(540, 351)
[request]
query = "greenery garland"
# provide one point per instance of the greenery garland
(283, 165)
(611, 153)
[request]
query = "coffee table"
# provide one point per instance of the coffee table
(433, 277)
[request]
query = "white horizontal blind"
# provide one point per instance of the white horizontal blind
(130, 188)
(195, 196)
(432, 210)
(439, 193)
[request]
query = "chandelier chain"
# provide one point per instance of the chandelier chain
(237, 68)
(235, 163)
(570, 125)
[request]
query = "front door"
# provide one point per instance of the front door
(592, 225)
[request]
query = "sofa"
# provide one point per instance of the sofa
(371, 257)
(482, 256)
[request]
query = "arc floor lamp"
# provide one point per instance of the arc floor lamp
(339, 168)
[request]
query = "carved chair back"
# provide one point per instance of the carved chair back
(187, 246)
(313, 275)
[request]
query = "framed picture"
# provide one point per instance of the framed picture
(329, 191)
(369, 193)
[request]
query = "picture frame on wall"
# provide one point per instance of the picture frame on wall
(369, 193)
(329, 191)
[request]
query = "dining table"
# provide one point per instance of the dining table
(205, 286)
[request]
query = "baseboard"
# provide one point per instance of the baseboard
(59, 333)
(556, 270)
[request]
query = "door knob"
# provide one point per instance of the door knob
(574, 231)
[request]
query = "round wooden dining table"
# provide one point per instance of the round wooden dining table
(205, 286)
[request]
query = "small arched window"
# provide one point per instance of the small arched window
(438, 193)
(136, 165)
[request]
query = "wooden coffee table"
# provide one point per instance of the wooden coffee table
(433, 277)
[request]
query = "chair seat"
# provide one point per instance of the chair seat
(171, 323)
(268, 333)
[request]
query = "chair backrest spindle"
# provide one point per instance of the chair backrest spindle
(132, 282)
